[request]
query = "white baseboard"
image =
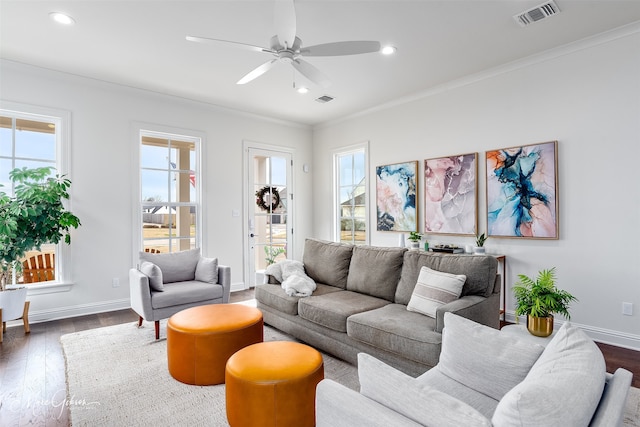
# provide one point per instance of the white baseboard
(605, 336)
(76, 310)
(238, 286)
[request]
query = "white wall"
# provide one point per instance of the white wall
(585, 96)
(103, 176)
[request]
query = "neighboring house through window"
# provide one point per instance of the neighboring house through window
(350, 177)
(35, 137)
(169, 190)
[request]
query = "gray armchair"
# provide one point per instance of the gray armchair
(164, 284)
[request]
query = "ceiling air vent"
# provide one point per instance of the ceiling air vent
(324, 98)
(537, 13)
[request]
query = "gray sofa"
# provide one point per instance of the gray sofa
(485, 378)
(360, 303)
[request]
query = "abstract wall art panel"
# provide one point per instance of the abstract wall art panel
(396, 190)
(522, 191)
(451, 194)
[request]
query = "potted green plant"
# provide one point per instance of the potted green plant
(272, 252)
(480, 239)
(415, 238)
(33, 216)
(539, 299)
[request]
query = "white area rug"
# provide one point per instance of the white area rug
(117, 376)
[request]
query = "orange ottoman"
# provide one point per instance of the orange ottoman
(201, 339)
(273, 384)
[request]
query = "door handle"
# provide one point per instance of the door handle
(253, 235)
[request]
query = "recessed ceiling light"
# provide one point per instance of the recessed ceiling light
(62, 18)
(388, 50)
(303, 90)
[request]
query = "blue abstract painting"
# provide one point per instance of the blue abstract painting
(396, 190)
(522, 191)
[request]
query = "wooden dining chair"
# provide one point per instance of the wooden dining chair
(39, 268)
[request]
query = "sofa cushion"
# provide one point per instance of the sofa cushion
(433, 289)
(400, 392)
(480, 270)
(394, 329)
(483, 359)
(327, 262)
(274, 296)
(571, 370)
(188, 292)
(375, 271)
(207, 270)
(332, 310)
(154, 274)
(175, 267)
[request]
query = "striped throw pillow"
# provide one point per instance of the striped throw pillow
(435, 288)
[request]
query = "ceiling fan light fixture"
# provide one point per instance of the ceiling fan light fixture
(388, 50)
(62, 18)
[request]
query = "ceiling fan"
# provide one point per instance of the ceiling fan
(287, 47)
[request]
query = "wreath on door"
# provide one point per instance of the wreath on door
(268, 198)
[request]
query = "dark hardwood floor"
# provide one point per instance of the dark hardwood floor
(32, 372)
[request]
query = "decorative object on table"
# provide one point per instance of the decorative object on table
(272, 252)
(396, 192)
(539, 299)
(450, 194)
(479, 248)
(34, 215)
(522, 191)
(268, 198)
(448, 248)
(414, 238)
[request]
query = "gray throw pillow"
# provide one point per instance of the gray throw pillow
(482, 358)
(154, 274)
(435, 288)
(176, 266)
(207, 270)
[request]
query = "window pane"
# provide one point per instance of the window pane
(154, 186)
(5, 136)
(38, 266)
(182, 188)
(35, 140)
(278, 171)
(5, 168)
(358, 170)
(345, 169)
(154, 153)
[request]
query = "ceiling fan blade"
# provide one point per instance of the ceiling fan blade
(341, 48)
(311, 72)
(229, 44)
(284, 20)
(257, 72)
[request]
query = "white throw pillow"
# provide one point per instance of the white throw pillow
(207, 270)
(154, 274)
(435, 288)
(566, 382)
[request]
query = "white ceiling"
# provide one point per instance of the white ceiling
(142, 44)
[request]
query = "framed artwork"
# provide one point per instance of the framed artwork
(396, 190)
(522, 191)
(451, 194)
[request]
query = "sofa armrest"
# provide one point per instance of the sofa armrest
(271, 279)
(485, 311)
(339, 406)
(140, 294)
(224, 279)
(614, 397)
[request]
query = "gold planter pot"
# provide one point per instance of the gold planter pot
(540, 326)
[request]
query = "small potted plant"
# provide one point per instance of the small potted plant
(539, 299)
(480, 239)
(33, 216)
(271, 253)
(415, 238)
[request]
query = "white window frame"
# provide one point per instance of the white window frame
(356, 148)
(159, 131)
(62, 121)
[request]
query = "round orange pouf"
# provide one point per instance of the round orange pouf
(201, 339)
(273, 384)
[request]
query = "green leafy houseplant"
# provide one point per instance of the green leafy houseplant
(35, 215)
(415, 236)
(541, 297)
(480, 239)
(272, 252)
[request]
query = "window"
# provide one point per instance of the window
(351, 190)
(35, 137)
(169, 191)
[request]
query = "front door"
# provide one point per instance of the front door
(269, 211)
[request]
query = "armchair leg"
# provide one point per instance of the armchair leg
(139, 321)
(157, 324)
